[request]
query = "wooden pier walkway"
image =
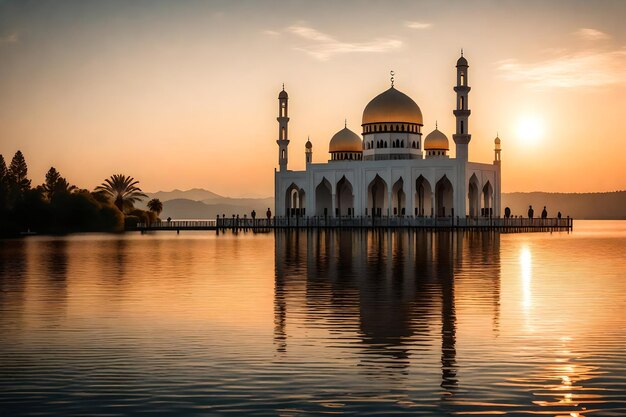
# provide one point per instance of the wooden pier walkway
(510, 225)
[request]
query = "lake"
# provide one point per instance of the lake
(303, 323)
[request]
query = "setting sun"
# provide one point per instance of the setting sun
(530, 129)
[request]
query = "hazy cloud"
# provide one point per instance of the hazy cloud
(325, 46)
(582, 69)
(271, 33)
(592, 67)
(12, 38)
(589, 34)
(418, 25)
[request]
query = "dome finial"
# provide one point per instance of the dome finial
(461, 51)
(436, 127)
(345, 122)
(392, 74)
(283, 86)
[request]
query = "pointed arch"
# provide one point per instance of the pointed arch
(377, 200)
(444, 200)
(344, 197)
(473, 197)
(423, 197)
(487, 199)
(398, 198)
(293, 202)
(323, 198)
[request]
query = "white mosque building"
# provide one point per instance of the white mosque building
(391, 170)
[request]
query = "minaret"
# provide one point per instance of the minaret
(283, 120)
(462, 112)
(497, 149)
(308, 152)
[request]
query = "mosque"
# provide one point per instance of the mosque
(390, 171)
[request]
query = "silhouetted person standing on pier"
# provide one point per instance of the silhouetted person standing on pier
(531, 212)
(268, 213)
(558, 215)
(544, 213)
(507, 212)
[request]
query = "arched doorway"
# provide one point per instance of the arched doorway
(473, 197)
(377, 200)
(345, 198)
(293, 203)
(488, 200)
(423, 197)
(444, 197)
(323, 199)
(398, 198)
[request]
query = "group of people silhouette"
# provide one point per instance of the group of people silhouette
(531, 213)
(544, 213)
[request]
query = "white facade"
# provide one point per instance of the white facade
(391, 171)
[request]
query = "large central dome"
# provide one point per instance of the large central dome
(392, 106)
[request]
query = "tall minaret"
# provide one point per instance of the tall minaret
(283, 120)
(308, 152)
(462, 112)
(497, 149)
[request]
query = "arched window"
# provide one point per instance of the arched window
(282, 154)
(282, 133)
(397, 128)
(385, 144)
(462, 78)
(462, 127)
(462, 103)
(402, 144)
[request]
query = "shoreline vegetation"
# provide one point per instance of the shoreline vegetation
(58, 207)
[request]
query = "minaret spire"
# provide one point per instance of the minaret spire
(462, 111)
(283, 124)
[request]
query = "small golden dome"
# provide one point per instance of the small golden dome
(308, 144)
(497, 140)
(392, 106)
(345, 141)
(283, 94)
(461, 62)
(436, 140)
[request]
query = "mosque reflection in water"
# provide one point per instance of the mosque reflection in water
(393, 292)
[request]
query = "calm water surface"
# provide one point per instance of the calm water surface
(302, 324)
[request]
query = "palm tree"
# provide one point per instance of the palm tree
(155, 206)
(122, 190)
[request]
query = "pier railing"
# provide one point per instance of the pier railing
(500, 223)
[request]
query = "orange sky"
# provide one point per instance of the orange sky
(183, 94)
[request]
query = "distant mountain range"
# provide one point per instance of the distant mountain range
(198, 203)
(601, 206)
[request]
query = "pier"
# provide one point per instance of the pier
(505, 225)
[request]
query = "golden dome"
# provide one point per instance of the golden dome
(345, 141)
(497, 140)
(308, 144)
(283, 94)
(392, 106)
(436, 140)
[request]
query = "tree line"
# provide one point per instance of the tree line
(57, 206)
